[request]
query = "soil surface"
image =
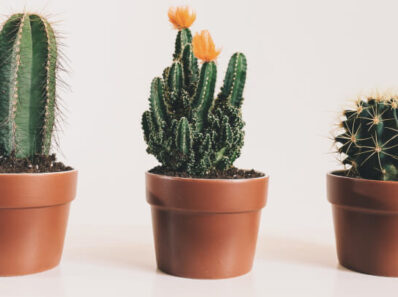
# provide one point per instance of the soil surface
(37, 164)
(232, 173)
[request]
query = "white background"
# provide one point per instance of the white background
(306, 60)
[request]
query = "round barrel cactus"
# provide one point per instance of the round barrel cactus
(369, 141)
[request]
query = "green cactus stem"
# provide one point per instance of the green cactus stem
(28, 59)
(234, 81)
(191, 69)
(184, 138)
(157, 103)
(184, 37)
(204, 96)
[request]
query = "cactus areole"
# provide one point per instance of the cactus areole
(186, 128)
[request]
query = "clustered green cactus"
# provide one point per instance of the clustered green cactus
(28, 63)
(186, 128)
(370, 138)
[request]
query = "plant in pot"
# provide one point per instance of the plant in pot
(205, 212)
(364, 196)
(35, 190)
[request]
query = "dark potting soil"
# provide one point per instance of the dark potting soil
(38, 164)
(232, 173)
(348, 173)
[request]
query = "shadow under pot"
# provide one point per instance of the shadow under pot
(34, 210)
(205, 228)
(365, 214)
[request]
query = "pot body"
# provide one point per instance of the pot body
(365, 214)
(205, 228)
(34, 212)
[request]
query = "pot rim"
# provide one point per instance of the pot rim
(365, 195)
(206, 195)
(208, 180)
(365, 180)
(31, 190)
(38, 173)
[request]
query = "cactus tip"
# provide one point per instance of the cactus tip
(204, 48)
(181, 17)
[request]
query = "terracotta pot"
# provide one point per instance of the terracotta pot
(366, 223)
(33, 216)
(205, 228)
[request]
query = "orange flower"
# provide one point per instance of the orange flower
(203, 47)
(181, 17)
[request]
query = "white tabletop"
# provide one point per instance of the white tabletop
(119, 261)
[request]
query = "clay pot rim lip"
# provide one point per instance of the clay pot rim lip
(356, 179)
(205, 180)
(38, 173)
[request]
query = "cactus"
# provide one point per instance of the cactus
(369, 141)
(28, 59)
(186, 128)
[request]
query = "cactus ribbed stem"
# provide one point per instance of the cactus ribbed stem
(175, 79)
(191, 70)
(183, 139)
(50, 89)
(28, 55)
(157, 103)
(204, 96)
(184, 37)
(234, 81)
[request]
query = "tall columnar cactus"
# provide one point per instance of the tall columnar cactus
(28, 62)
(369, 141)
(186, 128)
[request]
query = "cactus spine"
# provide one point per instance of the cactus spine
(28, 59)
(186, 128)
(369, 140)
